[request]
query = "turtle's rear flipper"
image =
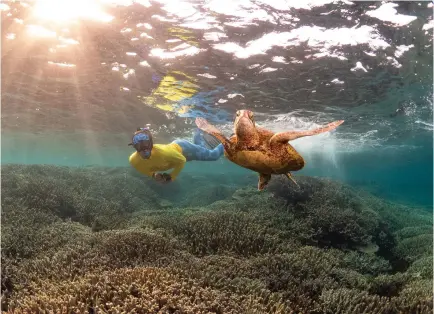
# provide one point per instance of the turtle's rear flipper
(290, 177)
(263, 181)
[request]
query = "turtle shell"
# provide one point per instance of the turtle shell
(279, 158)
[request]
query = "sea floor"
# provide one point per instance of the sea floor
(107, 240)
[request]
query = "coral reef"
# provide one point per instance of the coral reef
(88, 240)
(138, 290)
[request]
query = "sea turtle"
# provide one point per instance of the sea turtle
(261, 150)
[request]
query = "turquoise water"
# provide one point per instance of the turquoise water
(81, 84)
(395, 173)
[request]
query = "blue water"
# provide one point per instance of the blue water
(75, 86)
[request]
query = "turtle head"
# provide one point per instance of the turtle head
(244, 125)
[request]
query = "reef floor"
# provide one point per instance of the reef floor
(106, 240)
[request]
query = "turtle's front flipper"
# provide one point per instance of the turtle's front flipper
(263, 181)
(290, 177)
(284, 137)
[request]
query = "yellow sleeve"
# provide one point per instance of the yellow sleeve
(177, 161)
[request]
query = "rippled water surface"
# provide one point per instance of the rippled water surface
(78, 77)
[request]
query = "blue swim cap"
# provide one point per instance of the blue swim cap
(140, 137)
(142, 142)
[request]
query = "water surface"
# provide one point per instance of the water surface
(79, 76)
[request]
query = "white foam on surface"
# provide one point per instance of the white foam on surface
(387, 13)
(313, 36)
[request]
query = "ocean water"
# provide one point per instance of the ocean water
(77, 83)
(78, 78)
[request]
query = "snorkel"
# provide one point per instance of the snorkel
(142, 142)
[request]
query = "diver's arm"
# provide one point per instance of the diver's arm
(177, 161)
(178, 168)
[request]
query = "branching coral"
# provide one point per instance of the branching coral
(141, 290)
(415, 247)
(366, 263)
(70, 236)
(343, 301)
(134, 247)
(423, 267)
(216, 232)
(82, 195)
(29, 231)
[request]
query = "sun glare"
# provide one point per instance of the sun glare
(36, 30)
(67, 11)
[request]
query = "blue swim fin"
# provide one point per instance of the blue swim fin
(204, 139)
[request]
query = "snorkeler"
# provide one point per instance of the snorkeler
(150, 158)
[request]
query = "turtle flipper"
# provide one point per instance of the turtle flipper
(290, 177)
(263, 181)
(284, 137)
(211, 129)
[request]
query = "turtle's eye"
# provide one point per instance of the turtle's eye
(251, 115)
(238, 113)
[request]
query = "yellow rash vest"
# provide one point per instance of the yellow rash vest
(163, 157)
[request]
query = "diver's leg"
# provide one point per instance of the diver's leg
(196, 152)
(198, 138)
(217, 152)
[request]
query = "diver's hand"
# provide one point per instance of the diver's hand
(162, 177)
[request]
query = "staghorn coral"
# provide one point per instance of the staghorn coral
(349, 278)
(415, 247)
(83, 195)
(299, 276)
(320, 190)
(88, 252)
(388, 285)
(343, 229)
(417, 296)
(346, 301)
(248, 253)
(68, 262)
(128, 248)
(221, 272)
(413, 231)
(29, 231)
(328, 214)
(215, 232)
(312, 189)
(366, 263)
(423, 267)
(9, 271)
(397, 216)
(142, 290)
